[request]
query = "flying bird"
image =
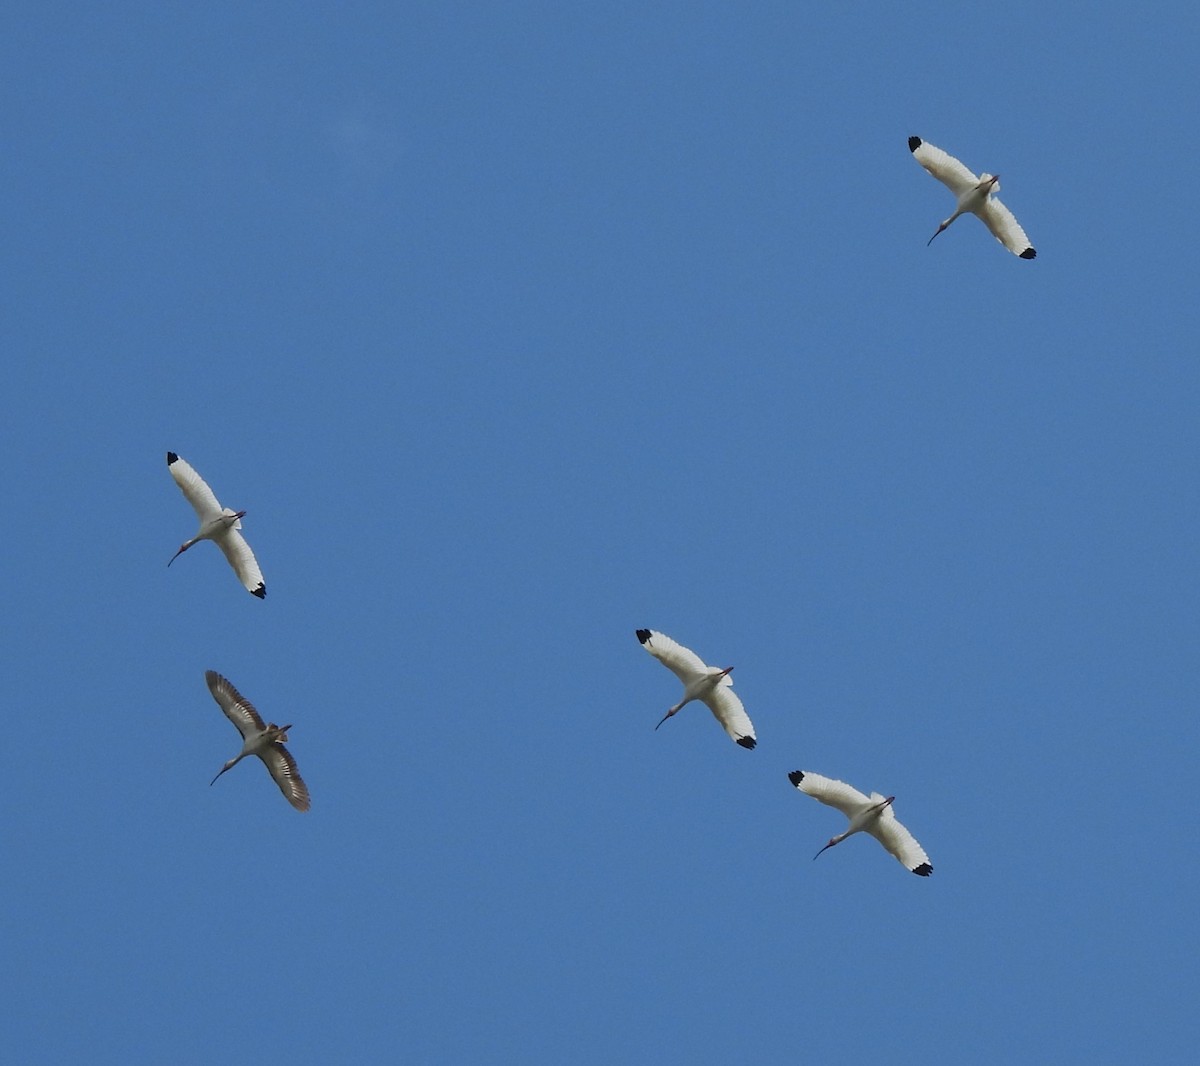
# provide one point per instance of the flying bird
(265, 741)
(975, 194)
(218, 524)
(709, 684)
(871, 814)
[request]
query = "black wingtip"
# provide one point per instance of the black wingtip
(924, 870)
(260, 592)
(795, 777)
(172, 458)
(914, 143)
(643, 635)
(747, 742)
(1029, 253)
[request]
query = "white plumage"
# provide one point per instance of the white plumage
(218, 524)
(258, 738)
(871, 814)
(709, 684)
(975, 194)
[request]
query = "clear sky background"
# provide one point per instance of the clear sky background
(515, 328)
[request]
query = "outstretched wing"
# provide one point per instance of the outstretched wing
(282, 767)
(239, 710)
(900, 842)
(1005, 228)
(194, 488)
(725, 704)
(829, 791)
(943, 166)
(684, 663)
(241, 558)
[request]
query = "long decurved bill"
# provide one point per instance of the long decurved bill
(664, 718)
(214, 780)
(177, 555)
(829, 845)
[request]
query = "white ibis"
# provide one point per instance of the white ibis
(218, 524)
(975, 194)
(265, 741)
(872, 814)
(709, 684)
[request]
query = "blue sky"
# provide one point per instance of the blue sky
(515, 328)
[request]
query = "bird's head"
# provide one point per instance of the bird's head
(989, 183)
(832, 841)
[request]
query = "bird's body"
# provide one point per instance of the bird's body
(259, 738)
(975, 195)
(709, 684)
(218, 524)
(868, 814)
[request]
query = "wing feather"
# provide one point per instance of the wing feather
(241, 558)
(1005, 228)
(727, 707)
(942, 165)
(684, 663)
(282, 768)
(833, 793)
(239, 710)
(888, 830)
(194, 488)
